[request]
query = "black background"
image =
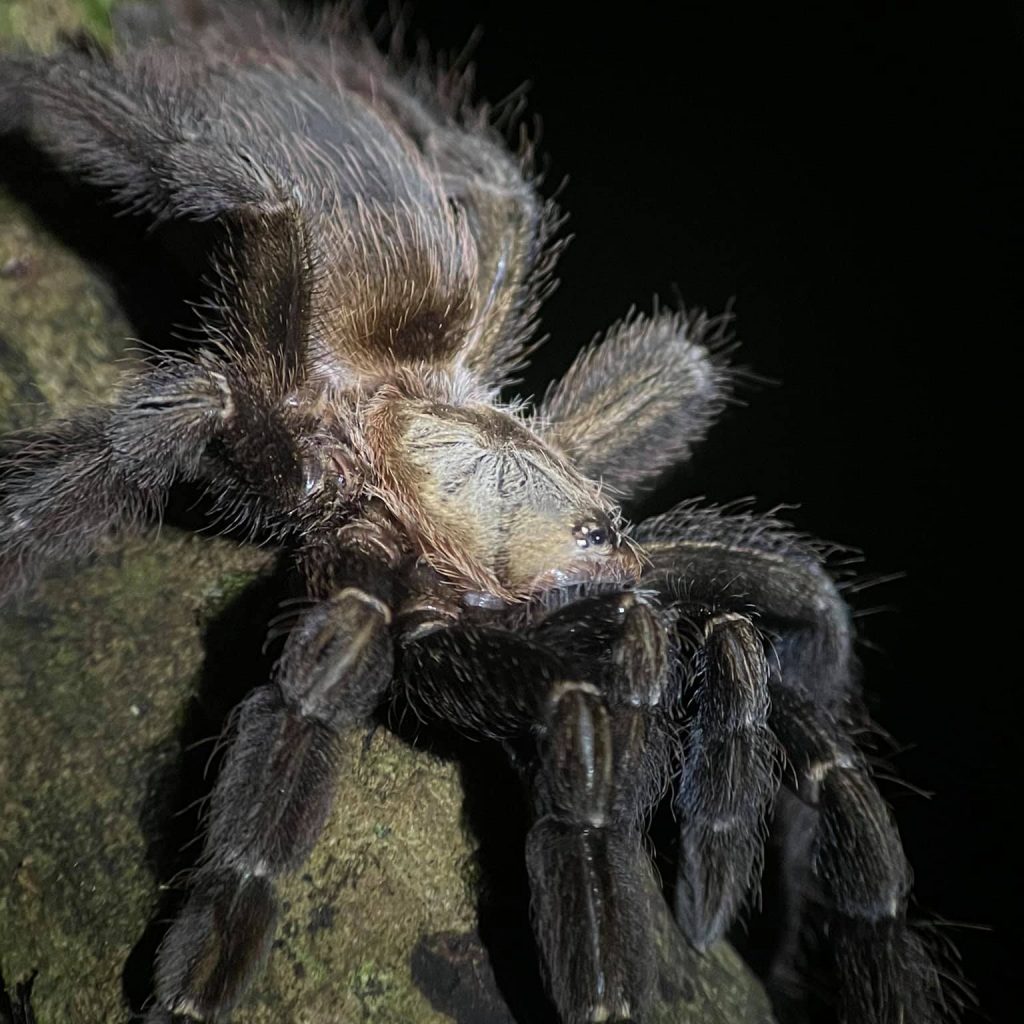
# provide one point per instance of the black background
(851, 177)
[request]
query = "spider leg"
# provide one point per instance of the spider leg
(274, 792)
(585, 853)
(719, 568)
(886, 971)
(635, 404)
(734, 563)
(600, 763)
(138, 125)
(706, 558)
(66, 486)
(729, 778)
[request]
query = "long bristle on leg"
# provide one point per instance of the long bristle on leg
(729, 778)
(602, 766)
(273, 797)
(887, 970)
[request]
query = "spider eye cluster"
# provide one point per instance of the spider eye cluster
(593, 533)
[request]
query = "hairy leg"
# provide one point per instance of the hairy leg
(634, 405)
(723, 570)
(887, 973)
(713, 559)
(274, 792)
(729, 778)
(704, 557)
(593, 676)
(139, 126)
(66, 486)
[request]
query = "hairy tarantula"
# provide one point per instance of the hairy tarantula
(384, 256)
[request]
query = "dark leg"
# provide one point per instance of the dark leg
(738, 562)
(729, 778)
(710, 561)
(63, 488)
(603, 764)
(67, 486)
(274, 792)
(586, 864)
(138, 125)
(600, 764)
(703, 557)
(886, 972)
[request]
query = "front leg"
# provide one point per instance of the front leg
(729, 777)
(274, 791)
(741, 562)
(746, 566)
(584, 691)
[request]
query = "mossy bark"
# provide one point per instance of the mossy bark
(112, 674)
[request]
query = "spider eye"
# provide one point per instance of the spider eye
(592, 534)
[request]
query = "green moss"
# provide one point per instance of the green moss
(37, 23)
(374, 990)
(79, 721)
(60, 333)
(96, 18)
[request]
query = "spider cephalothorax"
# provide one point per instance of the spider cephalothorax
(381, 262)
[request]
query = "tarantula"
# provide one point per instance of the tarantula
(383, 258)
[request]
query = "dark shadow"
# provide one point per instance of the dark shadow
(497, 815)
(16, 1007)
(156, 273)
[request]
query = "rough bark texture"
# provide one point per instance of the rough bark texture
(116, 677)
